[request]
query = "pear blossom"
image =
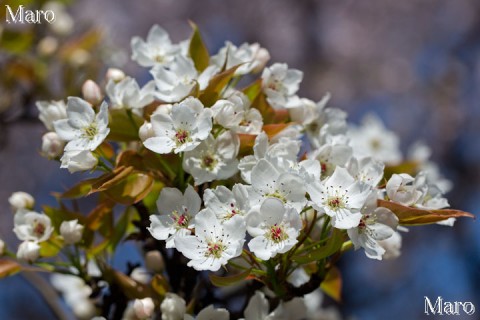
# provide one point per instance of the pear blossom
(177, 213)
(51, 111)
(341, 197)
(176, 79)
(258, 307)
(32, 226)
(126, 94)
(280, 85)
(377, 223)
(372, 139)
(114, 74)
(227, 203)
(2, 247)
(83, 129)
(173, 307)
(235, 114)
(214, 243)
(330, 156)
(146, 131)
(52, 145)
(210, 313)
(21, 200)
(432, 196)
(76, 294)
(213, 159)
(282, 154)
(274, 229)
(366, 170)
(318, 121)
(143, 307)
(392, 246)
(71, 231)
(78, 160)
(158, 49)
(187, 126)
(251, 57)
(28, 251)
(269, 182)
(401, 188)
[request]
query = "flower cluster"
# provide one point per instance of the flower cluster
(251, 179)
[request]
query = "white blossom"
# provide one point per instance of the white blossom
(274, 229)
(173, 307)
(227, 204)
(213, 159)
(330, 156)
(114, 74)
(91, 92)
(28, 251)
(83, 129)
(71, 231)
(187, 126)
(235, 114)
(21, 200)
(366, 170)
(146, 131)
(401, 188)
(52, 145)
(341, 197)
(32, 226)
(51, 111)
(214, 243)
(78, 160)
(143, 307)
(158, 49)
(210, 313)
(176, 79)
(76, 294)
(177, 212)
(280, 85)
(126, 94)
(251, 57)
(372, 139)
(392, 246)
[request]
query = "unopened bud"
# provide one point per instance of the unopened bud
(52, 145)
(21, 200)
(143, 308)
(28, 251)
(154, 261)
(114, 74)
(146, 131)
(91, 92)
(141, 275)
(71, 231)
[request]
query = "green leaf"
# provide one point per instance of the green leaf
(333, 244)
(16, 41)
(122, 226)
(253, 90)
(229, 280)
(410, 167)
(9, 268)
(197, 50)
(121, 126)
(51, 247)
(216, 85)
(131, 189)
(332, 284)
(409, 216)
(100, 216)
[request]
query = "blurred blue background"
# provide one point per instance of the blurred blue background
(414, 63)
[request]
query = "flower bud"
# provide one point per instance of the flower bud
(144, 308)
(78, 161)
(173, 307)
(50, 111)
(146, 131)
(261, 57)
(91, 92)
(28, 251)
(52, 145)
(154, 261)
(47, 46)
(114, 74)
(2, 247)
(141, 275)
(21, 200)
(71, 231)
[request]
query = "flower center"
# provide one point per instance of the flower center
(182, 136)
(91, 131)
(335, 203)
(209, 162)
(277, 233)
(233, 211)
(278, 195)
(180, 220)
(39, 229)
(215, 249)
